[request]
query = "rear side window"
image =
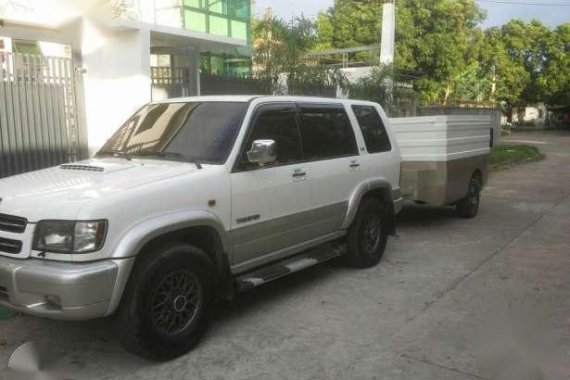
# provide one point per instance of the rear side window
(373, 130)
(326, 132)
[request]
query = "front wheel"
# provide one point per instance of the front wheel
(367, 235)
(168, 302)
(469, 206)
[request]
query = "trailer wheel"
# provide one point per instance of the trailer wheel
(469, 206)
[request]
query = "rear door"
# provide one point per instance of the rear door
(382, 161)
(270, 204)
(331, 151)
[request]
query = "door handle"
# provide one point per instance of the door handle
(299, 174)
(354, 165)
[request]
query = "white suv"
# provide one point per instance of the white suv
(193, 200)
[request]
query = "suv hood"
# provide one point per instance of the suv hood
(60, 192)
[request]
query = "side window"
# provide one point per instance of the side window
(373, 130)
(326, 133)
(278, 123)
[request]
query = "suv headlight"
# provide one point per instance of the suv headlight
(60, 236)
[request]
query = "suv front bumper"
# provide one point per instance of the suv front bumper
(71, 291)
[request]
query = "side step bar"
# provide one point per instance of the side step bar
(290, 265)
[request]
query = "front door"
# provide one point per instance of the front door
(270, 203)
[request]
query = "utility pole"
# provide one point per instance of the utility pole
(387, 44)
(387, 47)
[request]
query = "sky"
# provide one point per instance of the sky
(497, 14)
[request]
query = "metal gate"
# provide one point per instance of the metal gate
(172, 82)
(38, 114)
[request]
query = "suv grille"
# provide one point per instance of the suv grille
(11, 223)
(10, 246)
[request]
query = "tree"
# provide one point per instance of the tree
(511, 77)
(554, 80)
(471, 84)
(526, 45)
(350, 23)
(435, 37)
(439, 38)
(532, 62)
(280, 48)
(325, 32)
(375, 88)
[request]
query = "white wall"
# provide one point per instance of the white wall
(116, 78)
(41, 12)
(354, 74)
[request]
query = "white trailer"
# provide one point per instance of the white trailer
(443, 158)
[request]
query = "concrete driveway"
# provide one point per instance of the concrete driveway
(453, 299)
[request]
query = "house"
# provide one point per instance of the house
(535, 115)
(115, 55)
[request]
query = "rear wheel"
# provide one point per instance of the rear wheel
(367, 235)
(168, 302)
(469, 206)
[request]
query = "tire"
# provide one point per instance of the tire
(469, 206)
(177, 280)
(367, 236)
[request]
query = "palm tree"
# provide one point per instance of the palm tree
(279, 51)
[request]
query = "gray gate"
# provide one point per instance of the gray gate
(233, 85)
(38, 118)
(173, 82)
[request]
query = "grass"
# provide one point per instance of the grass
(509, 155)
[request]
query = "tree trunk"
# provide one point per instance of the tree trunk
(447, 94)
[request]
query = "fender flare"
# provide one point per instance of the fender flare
(134, 239)
(358, 193)
(137, 237)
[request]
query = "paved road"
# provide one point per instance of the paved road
(450, 296)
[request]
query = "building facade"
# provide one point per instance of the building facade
(221, 18)
(124, 53)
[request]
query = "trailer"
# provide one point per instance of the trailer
(445, 159)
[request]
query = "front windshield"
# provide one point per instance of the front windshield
(197, 131)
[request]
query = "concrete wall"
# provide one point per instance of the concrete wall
(116, 78)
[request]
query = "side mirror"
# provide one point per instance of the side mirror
(262, 152)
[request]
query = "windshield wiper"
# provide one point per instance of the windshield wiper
(171, 155)
(116, 153)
